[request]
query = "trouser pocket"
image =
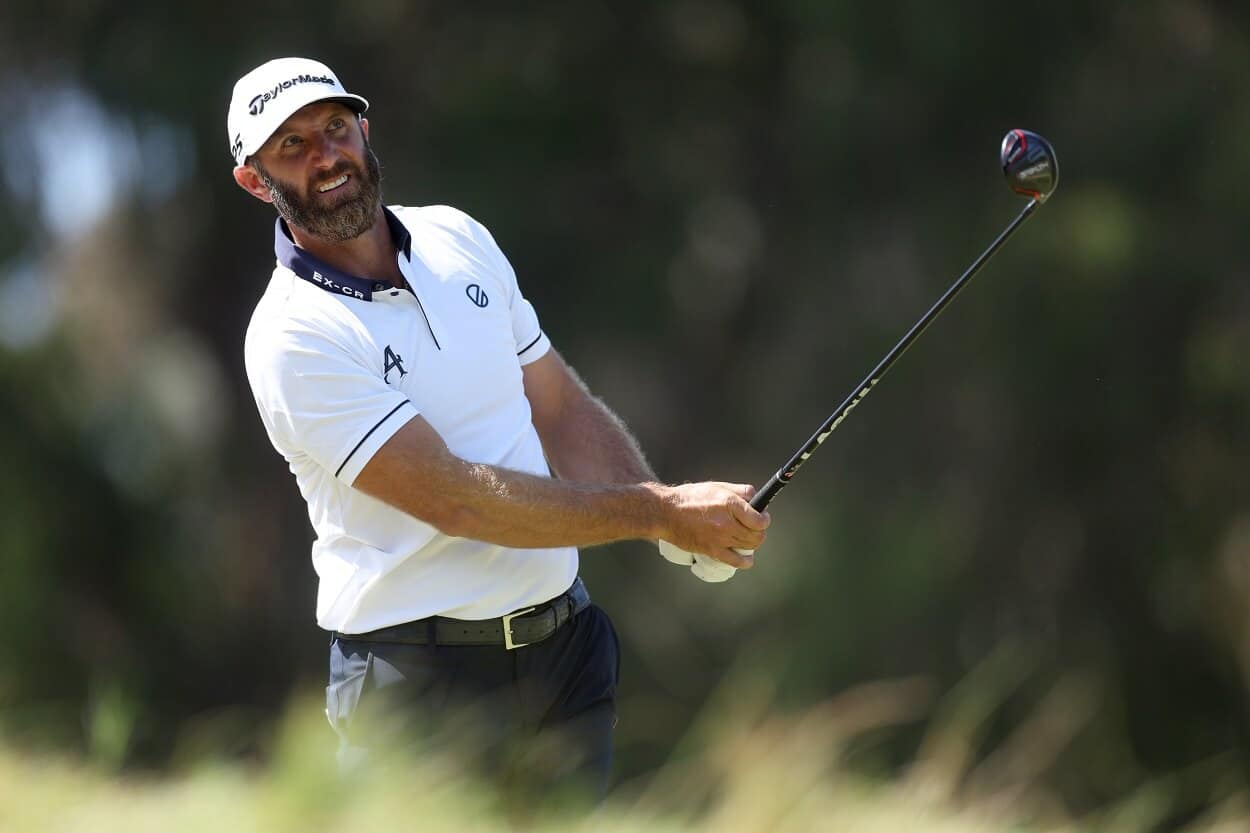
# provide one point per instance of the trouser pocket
(348, 672)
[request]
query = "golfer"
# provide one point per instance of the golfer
(452, 462)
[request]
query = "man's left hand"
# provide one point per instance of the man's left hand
(704, 567)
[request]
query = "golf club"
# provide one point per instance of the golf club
(1032, 170)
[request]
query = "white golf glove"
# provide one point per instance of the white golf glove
(703, 566)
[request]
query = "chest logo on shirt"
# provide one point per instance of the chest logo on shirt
(392, 361)
(477, 295)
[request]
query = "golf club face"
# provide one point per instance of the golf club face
(1029, 164)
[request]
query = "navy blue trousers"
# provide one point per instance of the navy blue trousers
(538, 718)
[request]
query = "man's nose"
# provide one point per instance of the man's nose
(323, 153)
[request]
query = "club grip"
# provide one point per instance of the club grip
(767, 492)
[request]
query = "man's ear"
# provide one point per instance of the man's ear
(364, 126)
(249, 180)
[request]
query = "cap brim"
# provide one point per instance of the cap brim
(353, 102)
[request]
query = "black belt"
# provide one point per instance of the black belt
(512, 630)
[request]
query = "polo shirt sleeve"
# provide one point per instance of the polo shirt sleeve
(531, 342)
(317, 399)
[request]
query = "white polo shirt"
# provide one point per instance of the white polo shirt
(339, 363)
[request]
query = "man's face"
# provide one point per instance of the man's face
(321, 173)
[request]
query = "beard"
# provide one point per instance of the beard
(336, 222)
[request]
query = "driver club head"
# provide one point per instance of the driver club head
(1030, 165)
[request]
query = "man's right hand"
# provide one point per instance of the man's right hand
(716, 520)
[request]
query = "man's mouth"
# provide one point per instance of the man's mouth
(332, 184)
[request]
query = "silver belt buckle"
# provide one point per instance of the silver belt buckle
(507, 628)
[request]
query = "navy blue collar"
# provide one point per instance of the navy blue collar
(319, 273)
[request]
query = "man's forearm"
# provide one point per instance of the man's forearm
(516, 509)
(415, 472)
(593, 445)
(582, 438)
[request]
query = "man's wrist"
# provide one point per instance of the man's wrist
(659, 509)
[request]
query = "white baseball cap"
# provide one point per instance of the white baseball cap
(269, 94)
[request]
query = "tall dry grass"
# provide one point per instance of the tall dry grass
(743, 767)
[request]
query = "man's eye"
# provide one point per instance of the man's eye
(336, 124)
(291, 141)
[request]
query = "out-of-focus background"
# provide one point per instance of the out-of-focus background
(1033, 539)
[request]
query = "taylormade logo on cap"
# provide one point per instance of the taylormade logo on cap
(269, 94)
(257, 105)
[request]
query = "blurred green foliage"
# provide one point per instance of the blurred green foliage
(760, 772)
(725, 213)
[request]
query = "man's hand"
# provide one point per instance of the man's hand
(704, 568)
(715, 520)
